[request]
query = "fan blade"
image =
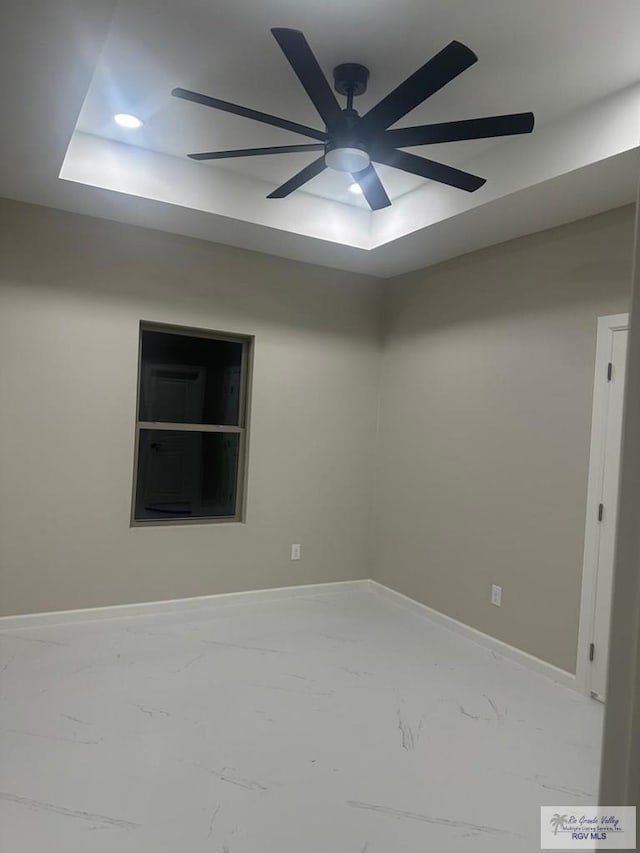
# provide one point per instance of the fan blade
(453, 131)
(434, 74)
(256, 152)
(301, 58)
(298, 180)
(265, 118)
(372, 189)
(428, 169)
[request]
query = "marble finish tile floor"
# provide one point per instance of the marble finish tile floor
(328, 723)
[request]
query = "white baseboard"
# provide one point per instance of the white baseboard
(200, 602)
(530, 661)
(255, 596)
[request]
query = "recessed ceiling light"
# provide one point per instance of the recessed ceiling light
(127, 120)
(356, 189)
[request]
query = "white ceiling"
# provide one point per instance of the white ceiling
(69, 65)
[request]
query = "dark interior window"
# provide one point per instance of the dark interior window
(186, 474)
(194, 471)
(189, 380)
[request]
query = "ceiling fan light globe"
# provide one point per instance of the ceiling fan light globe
(347, 159)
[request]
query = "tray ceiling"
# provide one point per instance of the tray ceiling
(573, 63)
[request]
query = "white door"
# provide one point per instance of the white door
(606, 510)
(171, 462)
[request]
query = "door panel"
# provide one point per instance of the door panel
(170, 465)
(172, 393)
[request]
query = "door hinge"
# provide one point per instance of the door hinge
(600, 511)
(609, 371)
(592, 651)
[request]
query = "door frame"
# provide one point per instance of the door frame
(607, 325)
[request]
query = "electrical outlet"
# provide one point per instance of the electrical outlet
(295, 552)
(496, 595)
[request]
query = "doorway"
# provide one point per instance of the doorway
(602, 501)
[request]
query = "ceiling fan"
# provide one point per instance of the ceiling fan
(352, 143)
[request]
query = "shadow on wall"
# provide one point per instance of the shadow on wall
(51, 248)
(565, 266)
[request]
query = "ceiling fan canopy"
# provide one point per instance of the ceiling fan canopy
(352, 143)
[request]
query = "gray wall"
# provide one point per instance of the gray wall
(479, 476)
(72, 293)
(485, 416)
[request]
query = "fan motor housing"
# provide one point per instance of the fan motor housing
(350, 78)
